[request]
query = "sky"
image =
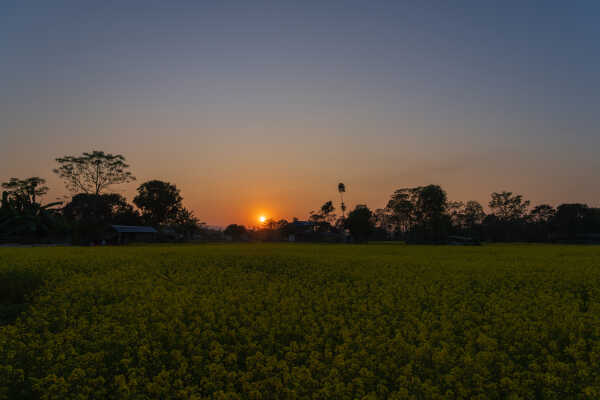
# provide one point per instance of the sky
(262, 107)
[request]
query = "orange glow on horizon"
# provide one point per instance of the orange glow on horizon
(262, 219)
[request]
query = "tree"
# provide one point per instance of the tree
(270, 224)
(402, 207)
(26, 190)
(274, 225)
(456, 210)
(508, 221)
(383, 224)
(271, 230)
(186, 223)
(466, 218)
(91, 215)
(508, 207)
(324, 220)
(21, 215)
(26, 219)
(159, 201)
(93, 172)
(421, 212)
(432, 202)
(432, 219)
(569, 221)
(317, 220)
(282, 226)
(327, 210)
(542, 213)
(236, 232)
(473, 213)
(539, 223)
(342, 190)
(383, 219)
(104, 209)
(360, 223)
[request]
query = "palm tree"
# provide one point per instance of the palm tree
(342, 190)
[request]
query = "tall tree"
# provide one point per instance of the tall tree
(402, 207)
(342, 190)
(160, 202)
(432, 205)
(421, 211)
(93, 172)
(432, 202)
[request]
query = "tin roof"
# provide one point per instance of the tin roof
(133, 229)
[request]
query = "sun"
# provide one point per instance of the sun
(262, 219)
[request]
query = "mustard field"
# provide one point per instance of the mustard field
(300, 321)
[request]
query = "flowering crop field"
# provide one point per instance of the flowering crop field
(300, 321)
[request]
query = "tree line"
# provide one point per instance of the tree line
(91, 209)
(421, 214)
(425, 215)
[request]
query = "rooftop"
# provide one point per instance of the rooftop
(133, 229)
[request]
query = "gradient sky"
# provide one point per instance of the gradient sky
(264, 106)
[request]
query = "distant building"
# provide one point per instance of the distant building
(123, 234)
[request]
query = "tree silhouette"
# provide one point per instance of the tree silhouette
(508, 207)
(186, 223)
(542, 213)
(26, 219)
(327, 210)
(570, 219)
(106, 209)
(360, 223)
(93, 172)
(236, 232)
(160, 202)
(26, 190)
(342, 190)
(402, 207)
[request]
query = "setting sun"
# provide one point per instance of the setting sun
(262, 219)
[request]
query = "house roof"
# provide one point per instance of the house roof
(133, 229)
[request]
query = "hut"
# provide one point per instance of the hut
(128, 234)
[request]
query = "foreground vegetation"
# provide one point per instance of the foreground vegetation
(300, 321)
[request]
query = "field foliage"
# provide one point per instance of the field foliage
(278, 321)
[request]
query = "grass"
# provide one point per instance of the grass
(300, 321)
